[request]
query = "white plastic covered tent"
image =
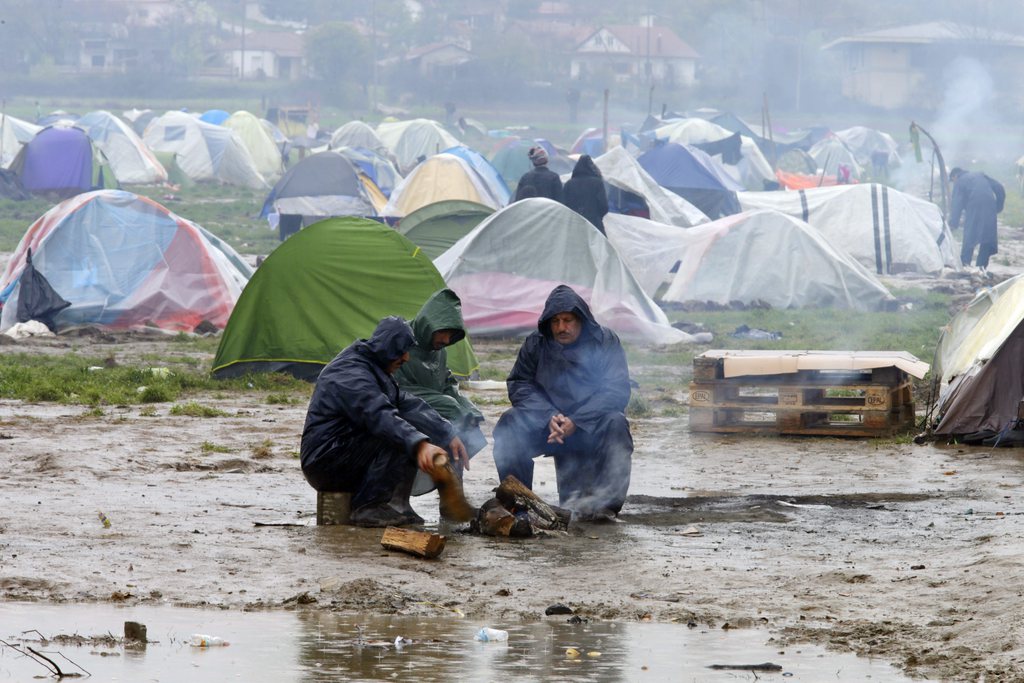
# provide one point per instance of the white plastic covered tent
(886, 230)
(204, 151)
(863, 141)
(505, 268)
(265, 153)
(440, 178)
(830, 153)
(408, 141)
(650, 249)
(13, 134)
(620, 169)
(752, 171)
(771, 257)
(358, 134)
(129, 158)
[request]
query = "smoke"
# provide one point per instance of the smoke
(967, 111)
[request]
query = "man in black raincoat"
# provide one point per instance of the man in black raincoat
(584, 192)
(365, 435)
(569, 388)
(543, 180)
(980, 199)
(438, 325)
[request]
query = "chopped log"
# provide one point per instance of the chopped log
(451, 498)
(419, 543)
(513, 495)
(494, 520)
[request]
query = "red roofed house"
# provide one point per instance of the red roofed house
(629, 53)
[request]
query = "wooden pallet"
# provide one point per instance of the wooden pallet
(867, 403)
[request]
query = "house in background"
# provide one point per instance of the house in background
(906, 65)
(267, 54)
(635, 53)
(438, 59)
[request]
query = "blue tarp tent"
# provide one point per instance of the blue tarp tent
(693, 175)
(485, 169)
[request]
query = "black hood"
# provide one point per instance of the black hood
(562, 299)
(586, 168)
(390, 340)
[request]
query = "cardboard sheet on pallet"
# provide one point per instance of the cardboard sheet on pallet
(736, 363)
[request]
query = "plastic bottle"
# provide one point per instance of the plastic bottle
(203, 640)
(488, 635)
(103, 519)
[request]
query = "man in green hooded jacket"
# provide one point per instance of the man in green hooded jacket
(426, 375)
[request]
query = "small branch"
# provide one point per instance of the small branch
(26, 654)
(37, 653)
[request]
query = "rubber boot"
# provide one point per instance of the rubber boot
(400, 498)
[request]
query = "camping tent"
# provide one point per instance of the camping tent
(495, 183)
(124, 261)
(215, 116)
(980, 365)
(412, 141)
(358, 134)
(694, 176)
(13, 134)
(265, 153)
(442, 176)
(63, 161)
(863, 142)
(766, 256)
(204, 151)
(885, 229)
(322, 289)
(436, 227)
(627, 177)
(506, 267)
(830, 153)
(129, 158)
(511, 159)
(750, 167)
(379, 168)
(324, 184)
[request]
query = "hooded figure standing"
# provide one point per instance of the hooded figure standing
(584, 192)
(980, 198)
(569, 388)
(439, 325)
(542, 179)
(365, 435)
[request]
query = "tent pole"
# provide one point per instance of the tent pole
(604, 132)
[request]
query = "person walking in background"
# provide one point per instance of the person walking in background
(979, 199)
(543, 180)
(584, 192)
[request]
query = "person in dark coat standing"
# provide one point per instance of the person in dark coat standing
(979, 199)
(542, 179)
(569, 389)
(365, 435)
(584, 192)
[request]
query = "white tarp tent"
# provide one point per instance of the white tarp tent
(649, 249)
(752, 171)
(358, 134)
(863, 141)
(886, 230)
(771, 257)
(440, 178)
(265, 153)
(620, 169)
(13, 134)
(505, 268)
(204, 151)
(409, 141)
(129, 158)
(831, 153)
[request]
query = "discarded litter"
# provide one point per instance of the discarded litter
(401, 642)
(572, 653)
(557, 608)
(747, 332)
(691, 531)
(491, 635)
(103, 519)
(203, 640)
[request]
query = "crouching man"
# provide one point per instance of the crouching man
(569, 389)
(366, 436)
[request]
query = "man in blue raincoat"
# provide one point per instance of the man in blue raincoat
(569, 389)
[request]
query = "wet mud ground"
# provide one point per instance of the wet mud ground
(906, 553)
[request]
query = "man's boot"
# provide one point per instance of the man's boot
(400, 499)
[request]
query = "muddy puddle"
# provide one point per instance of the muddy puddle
(317, 646)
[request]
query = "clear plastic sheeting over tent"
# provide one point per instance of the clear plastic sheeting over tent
(358, 134)
(505, 268)
(479, 163)
(124, 261)
(766, 256)
(204, 151)
(831, 153)
(412, 141)
(888, 231)
(378, 167)
(436, 227)
(864, 142)
(322, 185)
(623, 172)
(752, 170)
(13, 134)
(129, 158)
(649, 249)
(440, 178)
(265, 153)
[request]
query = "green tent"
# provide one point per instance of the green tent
(320, 290)
(436, 227)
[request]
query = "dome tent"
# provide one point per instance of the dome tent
(62, 160)
(130, 159)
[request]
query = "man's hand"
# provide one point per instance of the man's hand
(425, 453)
(561, 428)
(458, 451)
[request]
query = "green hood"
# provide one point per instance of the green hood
(442, 311)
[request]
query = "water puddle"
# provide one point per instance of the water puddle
(317, 646)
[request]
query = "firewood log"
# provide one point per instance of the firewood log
(512, 494)
(419, 543)
(452, 499)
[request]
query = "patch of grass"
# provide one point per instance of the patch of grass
(95, 411)
(194, 409)
(638, 406)
(279, 399)
(148, 411)
(210, 447)
(262, 451)
(157, 393)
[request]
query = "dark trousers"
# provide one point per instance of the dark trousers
(985, 252)
(592, 468)
(365, 466)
